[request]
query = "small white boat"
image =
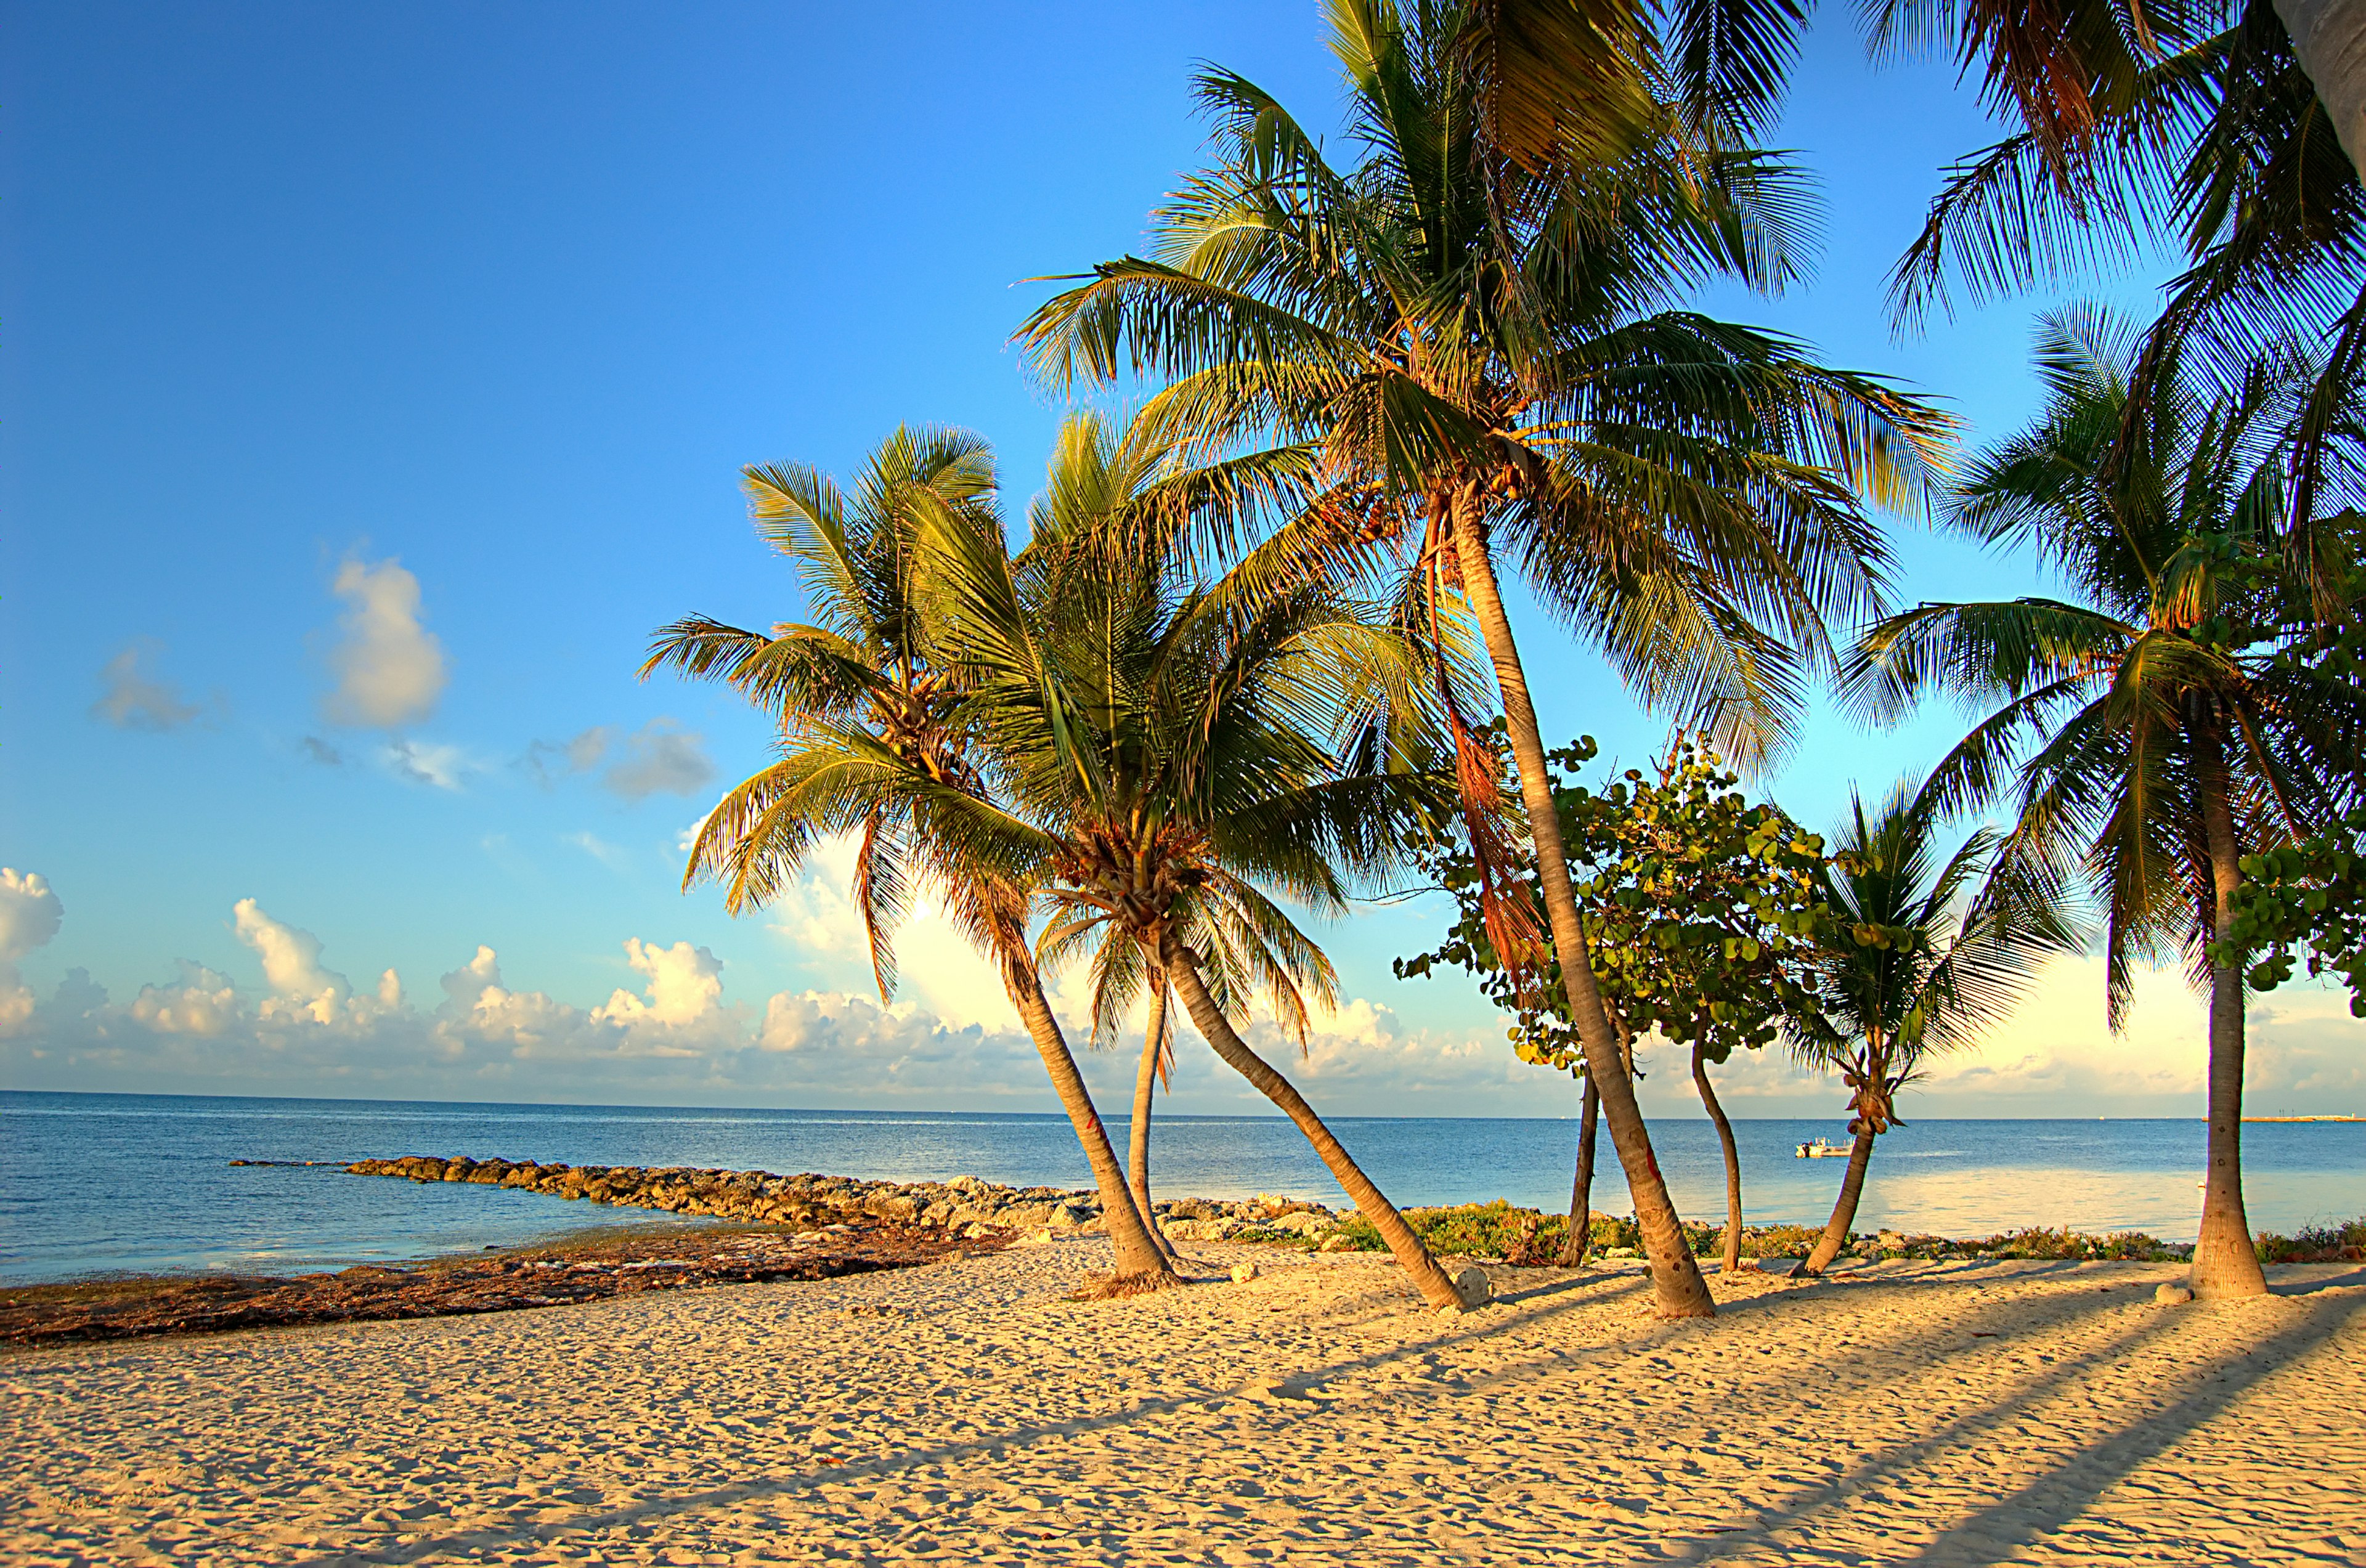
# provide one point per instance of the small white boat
(1819, 1150)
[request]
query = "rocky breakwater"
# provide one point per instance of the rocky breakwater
(964, 1206)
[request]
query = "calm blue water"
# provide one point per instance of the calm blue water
(105, 1182)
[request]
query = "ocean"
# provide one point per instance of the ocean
(94, 1183)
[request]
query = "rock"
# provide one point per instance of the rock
(1243, 1272)
(1338, 1244)
(1472, 1287)
(1069, 1216)
(1308, 1224)
(2172, 1295)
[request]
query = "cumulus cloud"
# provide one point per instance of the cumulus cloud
(389, 668)
(201, 1002)
(935, 961)
(30, 914)
(685, 987)
(133, 700)
(673, 1032)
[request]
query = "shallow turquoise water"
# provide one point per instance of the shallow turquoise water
(102, 1182)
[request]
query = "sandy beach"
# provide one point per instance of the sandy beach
(965, 1411)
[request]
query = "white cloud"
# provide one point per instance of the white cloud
(390, 668)
(201, 1002)
(291, 965)
(425, 763)
(30, 914)
(133, 700)
(675, 1033)
(685, 987)
(599, 849)
(936, 963)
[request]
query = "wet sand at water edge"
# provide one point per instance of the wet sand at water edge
(963, 1412)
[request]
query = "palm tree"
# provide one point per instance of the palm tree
(1487, 360)
(2151, 727)
(1908, 969)
(1176, 750)
(871, 744)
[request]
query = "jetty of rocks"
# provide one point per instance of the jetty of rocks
(966, 1205)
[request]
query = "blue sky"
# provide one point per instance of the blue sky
(305, 310)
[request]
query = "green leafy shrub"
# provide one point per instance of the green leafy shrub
(2316, 1244)
(1779, 1241)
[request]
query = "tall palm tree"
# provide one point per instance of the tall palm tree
(1487, 363)
(2150, 728)
(1178, 749)
(1914, 964)
(872, 744)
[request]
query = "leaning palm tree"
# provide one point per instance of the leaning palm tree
(1913, 964)
(2152, 728)
(1110, 480)
(1178, 749)
(870, 745)
(1488, 364)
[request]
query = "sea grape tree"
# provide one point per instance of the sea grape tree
(1702, 912)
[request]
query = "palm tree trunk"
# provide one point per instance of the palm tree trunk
(1138, 1256)
(1677, 1286)
(1732, 1264)
(1836, 1229)
(2330, 38)
(2225, 1262)
(1182, 971)
(1145, 1082)
(1580, 1240)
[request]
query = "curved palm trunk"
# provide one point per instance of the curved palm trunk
(1145, 1083)
(2225, 1262)
(1183, 972)
(2329, 36)
(1138, 1256)
(1732, 1263)
(1836, 1230)
(1580, 1240)
(1677, 1286)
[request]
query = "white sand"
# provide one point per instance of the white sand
(1928, 1414)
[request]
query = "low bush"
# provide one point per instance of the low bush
(1529, 1237)
(2316, 1244)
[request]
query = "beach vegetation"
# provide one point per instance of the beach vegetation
(1700, 911)
(2161, 722)
(1490, 360)
(2323, 1243)
(1165, 748)
(1917, 957)
(873, 745)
